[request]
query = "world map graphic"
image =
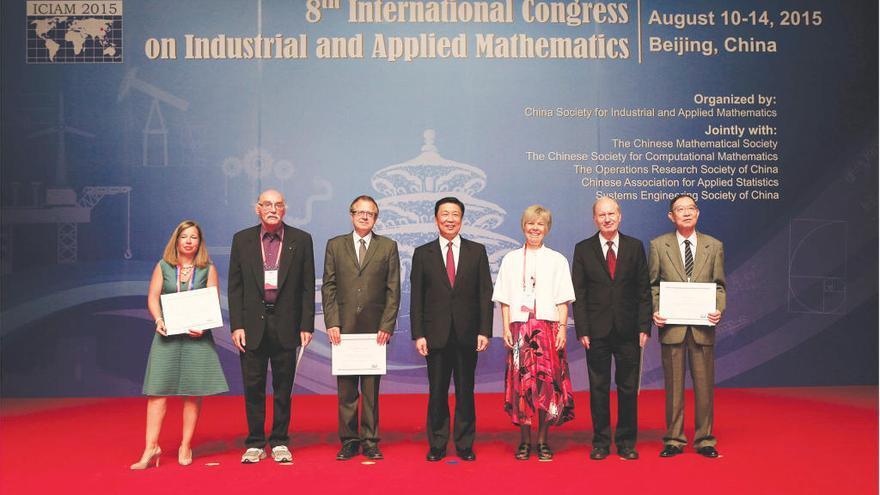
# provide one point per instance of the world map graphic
(75, 39)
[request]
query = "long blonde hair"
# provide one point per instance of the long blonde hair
(200, 260)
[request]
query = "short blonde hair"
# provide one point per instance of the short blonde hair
(200, 260)
(536, 211)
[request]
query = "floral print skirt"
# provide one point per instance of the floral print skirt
(537, 377)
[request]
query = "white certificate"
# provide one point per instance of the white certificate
(684, 303)
(358, 354)
(191, 310)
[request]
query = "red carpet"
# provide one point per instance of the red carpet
(803, 440)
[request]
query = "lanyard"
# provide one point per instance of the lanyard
(278, 256)
(191, 278)
(535, 277)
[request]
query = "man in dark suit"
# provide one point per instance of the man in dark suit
(360, 294)
(612, 316)
(451, 318)
(271, 312)
(688, 256)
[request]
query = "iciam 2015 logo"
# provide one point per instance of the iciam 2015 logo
(74, 32)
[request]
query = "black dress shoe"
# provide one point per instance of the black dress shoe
(348, 450)
(671, 451)
(466, 454)
(373, 453)
(708, 451)
(435, 455)
(628, 454)
(598, 453)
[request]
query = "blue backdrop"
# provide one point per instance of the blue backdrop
(106, 146)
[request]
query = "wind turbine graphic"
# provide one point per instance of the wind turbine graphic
(61, 207)
(60, 130)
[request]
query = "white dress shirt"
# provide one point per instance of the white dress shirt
(456, 248)
(552, 283)
(615, 244)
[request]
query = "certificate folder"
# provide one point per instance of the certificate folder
(358, 354)
(197, 309)
(687, 303)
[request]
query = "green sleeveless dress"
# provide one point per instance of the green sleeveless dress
(179, 364)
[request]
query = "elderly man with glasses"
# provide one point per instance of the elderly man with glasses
(687, 255)
(271, 314)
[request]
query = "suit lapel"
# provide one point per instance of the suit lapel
(596, 248)
(288, 247)
(464, 253)
(674, 255)
(441, 264)
(623, 254)
(255, 261)
(348, 247)
(702, 255)
(371, 251)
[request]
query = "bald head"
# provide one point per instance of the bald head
(271, 209)
(605, 201)
(606, 215)
(270, 195)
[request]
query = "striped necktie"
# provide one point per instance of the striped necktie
(688, 259)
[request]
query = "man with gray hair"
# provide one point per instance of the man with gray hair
(686, 255)
(612, 317)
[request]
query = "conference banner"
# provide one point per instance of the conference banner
(121, 118)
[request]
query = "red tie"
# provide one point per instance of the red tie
(611, 258)
(450, 264)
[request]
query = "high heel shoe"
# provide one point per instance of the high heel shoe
(184, 461)
(146, 459)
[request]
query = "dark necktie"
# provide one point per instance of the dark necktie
(362, 253)
(450, 264)
(611, 258)
(688, 260)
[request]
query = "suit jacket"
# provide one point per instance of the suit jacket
(295, 303)
(436, 308)
(361, 299)
(602, 304)
(665, 265)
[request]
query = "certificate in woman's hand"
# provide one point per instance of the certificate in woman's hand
(191, 310)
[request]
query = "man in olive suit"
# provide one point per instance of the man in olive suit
(360, 294)
(688, 256)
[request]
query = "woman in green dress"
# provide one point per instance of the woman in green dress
(179, 365)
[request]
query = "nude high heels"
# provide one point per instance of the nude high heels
(184, 460)
(147, 459)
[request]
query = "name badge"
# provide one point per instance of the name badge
(271, 279)
(527, 302)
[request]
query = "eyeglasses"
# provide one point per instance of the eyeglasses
(268, 205)
(685, 209)
(363, 213)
